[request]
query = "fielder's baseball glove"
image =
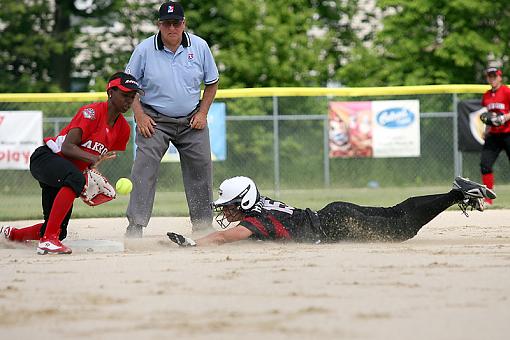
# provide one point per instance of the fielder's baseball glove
(492, 118)
(97, 189)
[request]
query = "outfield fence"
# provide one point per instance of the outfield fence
(279, 137)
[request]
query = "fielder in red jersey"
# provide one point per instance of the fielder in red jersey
(497, 138)
(93, 135)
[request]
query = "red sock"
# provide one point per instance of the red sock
(488, 180)
(25, 234)
(63, 202)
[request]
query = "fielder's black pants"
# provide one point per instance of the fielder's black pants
(494, 144)
(53, 172)
(350, 222)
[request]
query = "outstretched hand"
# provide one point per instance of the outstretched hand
(106, 156)
(180, 240)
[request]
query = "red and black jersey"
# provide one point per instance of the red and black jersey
(97, 136)
(498, 101)
(274, 220)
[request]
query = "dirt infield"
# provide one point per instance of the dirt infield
(452, 281)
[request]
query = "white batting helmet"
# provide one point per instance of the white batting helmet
(240, 191)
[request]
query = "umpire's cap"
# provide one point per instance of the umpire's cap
(495, 70)
(125, 82)
(171, 11)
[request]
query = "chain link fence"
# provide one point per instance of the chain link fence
(282, 142)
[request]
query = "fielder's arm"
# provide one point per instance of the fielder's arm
(71, 147)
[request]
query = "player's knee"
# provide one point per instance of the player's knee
(485, 169)
(76, 181)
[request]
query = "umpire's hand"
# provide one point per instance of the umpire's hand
(145, 124)
(199, 120)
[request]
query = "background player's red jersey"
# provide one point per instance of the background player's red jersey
(97, 137)
(499, 102)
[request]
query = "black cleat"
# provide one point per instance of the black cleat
(472, 189)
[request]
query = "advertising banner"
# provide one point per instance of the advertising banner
(20, 135)
(388, 128)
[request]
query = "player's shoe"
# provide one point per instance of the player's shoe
(134, 231)
(472, 204)
(52, 246)
(5, 231)
(472, 189)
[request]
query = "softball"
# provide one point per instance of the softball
(123, 186)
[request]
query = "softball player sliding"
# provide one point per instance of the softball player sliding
(93, 134)
(262, 218)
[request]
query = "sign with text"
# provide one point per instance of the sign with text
(387, 128)
(20, 135)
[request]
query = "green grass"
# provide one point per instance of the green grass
(24, 207)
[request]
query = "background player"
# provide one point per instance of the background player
(265, 219)
(92, 135)
(497, 138)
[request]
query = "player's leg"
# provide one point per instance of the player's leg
(144, 173)
(490, 152)
(195, 154)
(54, 171)
(48, 197)
(21, 234)
(347, 221)
(351, 222)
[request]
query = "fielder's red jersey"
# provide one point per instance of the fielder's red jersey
(499, 102)
(97, 136)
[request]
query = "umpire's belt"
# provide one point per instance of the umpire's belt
(189, 115)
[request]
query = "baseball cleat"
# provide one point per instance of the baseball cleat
(134, 231)
(472, 189)
(52, 246)
(472, 204)
(5, 231)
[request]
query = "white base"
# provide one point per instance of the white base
(94, 246)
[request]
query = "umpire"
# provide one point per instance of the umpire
(171, 66)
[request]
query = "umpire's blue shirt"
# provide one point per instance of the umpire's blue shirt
(171, 81)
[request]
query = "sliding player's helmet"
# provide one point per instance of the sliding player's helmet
(240, 193)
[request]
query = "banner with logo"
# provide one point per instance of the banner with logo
(470, 126)
(217, 135)
(388, 128)
(20, 135)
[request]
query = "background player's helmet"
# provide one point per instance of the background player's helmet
(240, 192)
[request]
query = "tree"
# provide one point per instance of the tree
(432, 42)
(38, 41)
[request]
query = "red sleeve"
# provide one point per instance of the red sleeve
(85, 119)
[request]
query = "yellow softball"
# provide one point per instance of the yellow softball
(123, 186)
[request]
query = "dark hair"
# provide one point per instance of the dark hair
(122, 75)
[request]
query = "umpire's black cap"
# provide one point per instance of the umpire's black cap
(171, 11)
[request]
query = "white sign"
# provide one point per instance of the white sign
(396, 128)
(20, 135)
